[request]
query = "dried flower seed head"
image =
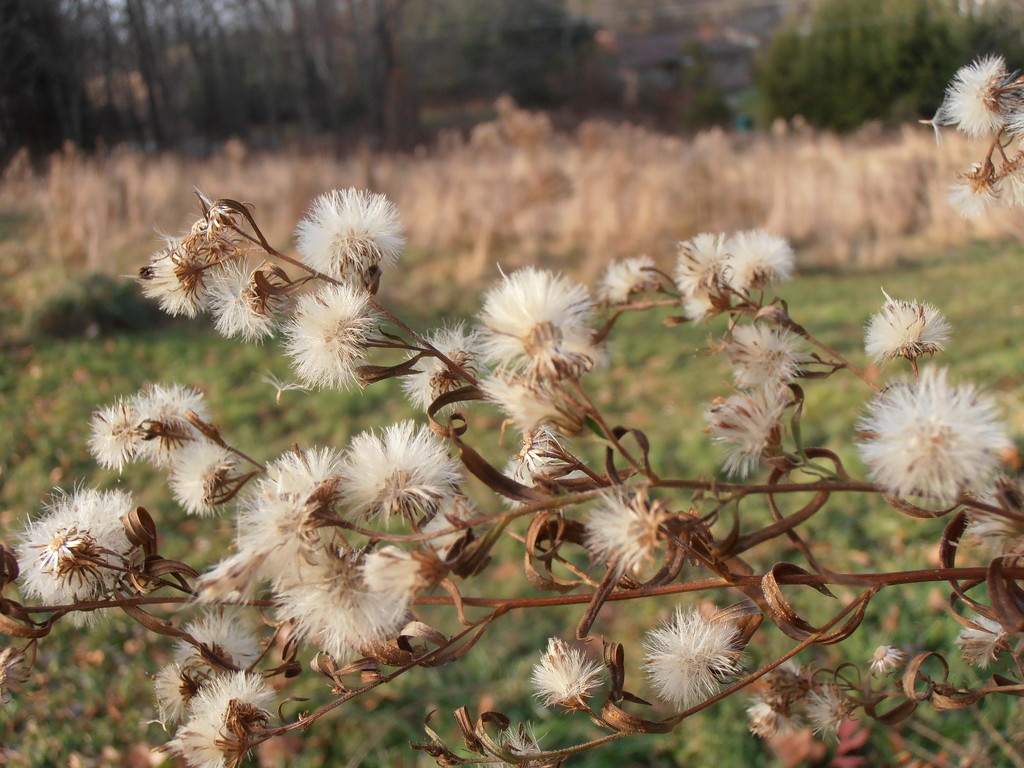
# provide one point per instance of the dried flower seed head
(66, 556)
(327, 336)
(977, 194)
(224, 633)
(175, 687)
(756, 259)
(522, 742)
(117, 435)
(1002, 534)
(624, 530)
(404, 471)
(905, 329)
(349, 232)
(245, 301)
(434, 378)
(203, 475)
(337, 612)
(751, 423)
(764, 721)
(224, 716)
(981, 644)
(539, 322)
(176, 279)
(279, 522)
(763, 356)
(699, 275)
(400, 574)
(445, 526)
(14, 671)
(565, 676)
(541, 458)
(167, 430)
(622, 279)
(777, 707)
(929, 437)
(178, 683)
(886, 659)
(978, 98)
(690, 656)
(827, 708)
(530, 405)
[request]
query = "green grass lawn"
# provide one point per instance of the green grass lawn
(658, 380)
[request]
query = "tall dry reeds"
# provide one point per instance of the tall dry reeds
(517, 192)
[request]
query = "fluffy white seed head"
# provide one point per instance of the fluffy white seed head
(976, 195)
(541, 458)
(977, 99)
(434, 378)
(116, 435)
(886, 659)
(981, 644)
(750, 422)
(238, 307)
(347, 232)
(565, 676)
(176, 278)
(624, 278)
(930, 437)
(403, 471)
(223, 716)
(327, 336)
(538, 322)
(278, 532)
(66, 555)
(14, 671)
(826, 708)
(905, 329)
(162, 410)
(689, 657)
(779, 705)
(623, 530)
(528, 405)
(399, 574)
(445, 525)
(203, 475)
(763, 356)
(699, 275)
(335, 611)
(756, 259)
(179, 682)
